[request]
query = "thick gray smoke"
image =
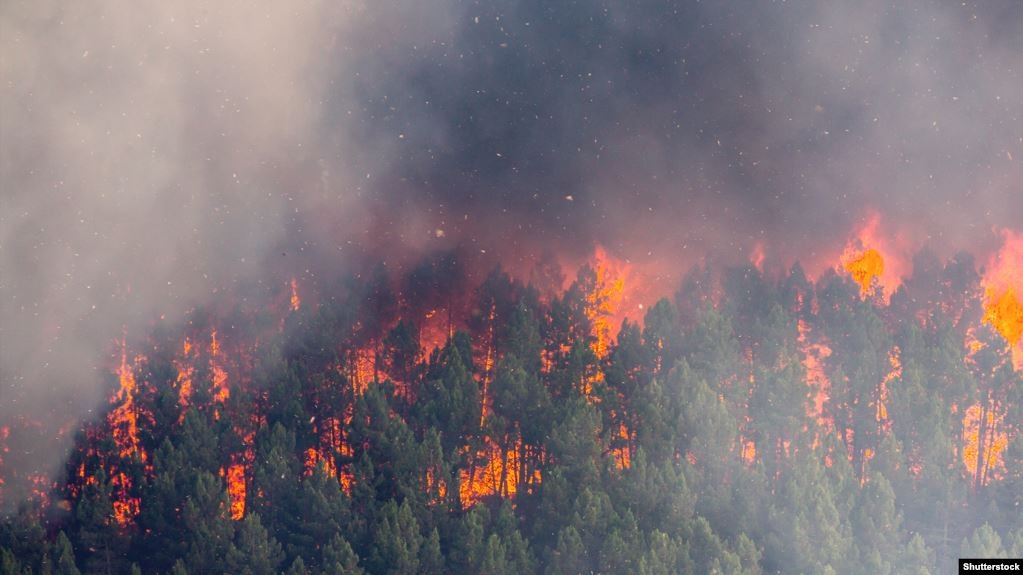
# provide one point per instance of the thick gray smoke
(155, 154)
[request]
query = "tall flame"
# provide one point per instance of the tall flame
(123, 421)
(295, 301)
(1003, 280)
(603, 303)
(236, 490)
(982, 453)
(124, 418)
(220, 389)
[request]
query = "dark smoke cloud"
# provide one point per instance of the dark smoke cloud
(154, 155)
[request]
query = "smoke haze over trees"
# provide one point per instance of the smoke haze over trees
(792, 427)
(170, 169)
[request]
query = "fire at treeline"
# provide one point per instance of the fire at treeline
(847, 421)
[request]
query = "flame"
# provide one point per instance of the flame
(870, 254)
(313, 457)
(602, 305)
(185, 372)
(814, 354)
(220, 389)
(895, 360)
(865, 267)
(236, 490)
(362, 367)
(434, 332)
(1003, 279)
(499, 475)
(756, 256)
(749, 451)
(991, 464)
(623, 454)
(124, 418)
(295, 301)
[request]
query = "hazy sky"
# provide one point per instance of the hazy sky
(154, 154)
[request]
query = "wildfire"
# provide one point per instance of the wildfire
(814, 354)
(1003, 277)
(756, 257)
(295, 301)
(236, 490)
(865, 267)
(124, 418)
(985, 442)
(220, 390)
(603, 302)
(185, 372)
(870, 255)
(500, 475)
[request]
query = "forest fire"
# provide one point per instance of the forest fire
(875, 254)
(1003, 280)
(124, 417)
(603, 302)
(236, 490)
(509, 287)
(403, 363)
(985, 442)
(864, 268)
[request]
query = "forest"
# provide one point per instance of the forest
(752, 423)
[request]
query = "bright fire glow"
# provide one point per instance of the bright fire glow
(873, 254)
(865, 267)
(236, 490)
(603, 303)
(1003, 280)
(220, 390)
(295, 301)
(983, 467)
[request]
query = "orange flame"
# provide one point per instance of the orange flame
(295, 301)
(817, 380)
(983, 467)
(185, 372)
(756, 257)
(220, 389)
(124, 418)
(236, 490)
(1003, 277)
(500, 475)
(603, 303)
(865, 267)
(870, 254)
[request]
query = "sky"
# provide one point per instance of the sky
(157, 155)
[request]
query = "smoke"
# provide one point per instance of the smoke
(156, 155)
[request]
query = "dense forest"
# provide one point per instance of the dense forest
(751, 424)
